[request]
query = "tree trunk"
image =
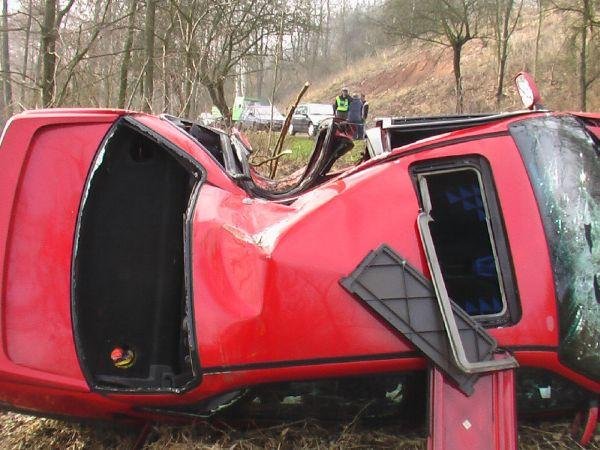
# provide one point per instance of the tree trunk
(583, 84)
(48, 52)
(189, 81)
(216, 91)
(456, 51)
(124, 70)
(149, 43)
(537, 38)
(26, 52)
(6, 83)
(260, 75)
(503, 50)
(316, 44)
(345, 33)
(165, 78)
(327, 39)
(166, 41)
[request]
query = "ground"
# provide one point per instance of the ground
(27, 432)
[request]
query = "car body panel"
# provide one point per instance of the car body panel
(331, 217)
(268, 305)
(41, 190)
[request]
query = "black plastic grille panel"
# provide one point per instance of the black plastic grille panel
(400, 295)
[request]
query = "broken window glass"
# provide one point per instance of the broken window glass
(562, 161)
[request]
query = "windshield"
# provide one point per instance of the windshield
(323, 110)
(562, 161)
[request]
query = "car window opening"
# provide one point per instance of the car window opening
(464, 241)
(129, 295)
(233, 152)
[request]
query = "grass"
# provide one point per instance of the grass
(27, 432)
(301, 147)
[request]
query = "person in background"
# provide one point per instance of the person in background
(365, 114)
(355, 115)
(341, 104)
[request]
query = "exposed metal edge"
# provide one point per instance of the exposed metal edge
(436, 121)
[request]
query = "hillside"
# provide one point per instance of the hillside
(416, 78)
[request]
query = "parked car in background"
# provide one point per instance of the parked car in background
(308, 117)
(210, 118)
(258, 117)
(240, 104)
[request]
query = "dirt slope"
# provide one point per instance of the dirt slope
(416, 78)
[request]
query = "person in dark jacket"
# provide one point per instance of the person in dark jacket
(365, 107)
(365, 114)
(355, 114)
(341, 104)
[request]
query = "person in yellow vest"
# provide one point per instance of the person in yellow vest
(341, 104)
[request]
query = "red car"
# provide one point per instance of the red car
(148, 272)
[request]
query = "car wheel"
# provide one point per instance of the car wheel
(291, 130)
(311, 130)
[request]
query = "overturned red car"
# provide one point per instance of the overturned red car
(148, 272)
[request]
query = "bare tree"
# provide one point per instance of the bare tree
(149, 32)
(538, 35)
(126, 61)
(82, 49)
(586, 21)
(6, 83)
(234, 29)
(49, 35)
(451, 23)
(191, 16)
(505, 19)
(25, 62)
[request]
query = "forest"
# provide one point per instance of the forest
(183, 56)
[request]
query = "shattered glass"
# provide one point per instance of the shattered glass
(564, 169)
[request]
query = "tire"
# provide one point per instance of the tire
(291, 130)
(311, 130)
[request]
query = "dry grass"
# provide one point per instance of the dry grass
(302, 434)
(26, 432)
(18, 431)
(550, 435)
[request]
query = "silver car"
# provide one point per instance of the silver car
(308, 117)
